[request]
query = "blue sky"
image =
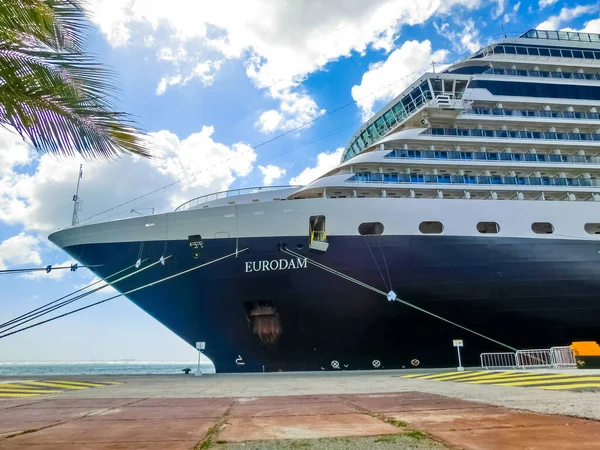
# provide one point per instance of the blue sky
(209, 81)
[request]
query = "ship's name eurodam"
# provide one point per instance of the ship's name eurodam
(275, 264)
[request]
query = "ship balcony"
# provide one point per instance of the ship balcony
(553, 138)
(528, 115)
(454, 155)
(579, 76)
(463, 181)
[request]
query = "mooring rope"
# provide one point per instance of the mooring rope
(397, 299)
(47, 310)
(131, 291)
(22, 316)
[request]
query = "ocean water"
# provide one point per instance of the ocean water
(50, 368)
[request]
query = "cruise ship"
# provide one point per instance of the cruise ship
(467, 208)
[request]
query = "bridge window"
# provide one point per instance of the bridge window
(488, 227)
(370, 228)
(431, 227)
(542, 228)
(592, 228)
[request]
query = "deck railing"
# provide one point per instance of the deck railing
(231, 193)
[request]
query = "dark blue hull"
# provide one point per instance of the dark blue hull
(526, 293)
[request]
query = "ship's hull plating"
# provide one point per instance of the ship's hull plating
(526, 293)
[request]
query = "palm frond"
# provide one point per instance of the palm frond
(54, 94)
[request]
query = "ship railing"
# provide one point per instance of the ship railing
(231, 193)
(498, 360)
(563, 357)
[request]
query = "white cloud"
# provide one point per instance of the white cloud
(402, 67)
(18, 250)
(565, 14)
(41, 202)
(464, 39)
(499, 9)
(296, 110)
(204, 71)
(280, 44)
(271, 173)
(544, 3)
(325, 162)
(592, 26)
(512, 16)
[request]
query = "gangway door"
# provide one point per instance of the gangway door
(317, 234)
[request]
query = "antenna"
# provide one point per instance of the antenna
(77, 205)
(433, 66)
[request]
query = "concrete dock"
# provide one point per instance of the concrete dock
(378, 409)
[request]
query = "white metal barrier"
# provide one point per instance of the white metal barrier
(555, 357)
(534, 358)
(563, 357)
(499, 360)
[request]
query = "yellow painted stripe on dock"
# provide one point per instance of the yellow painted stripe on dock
(55, 385)
(412, 375)
(13, 385)
(519, 379)
(571, 386)
(505, 376)
(552, 381)
(76, 383)
(464, 376)
(26, 389)
(17, 395)
(435, 375)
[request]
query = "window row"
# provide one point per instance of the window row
(369, 177)
(534, 113)
(562, 35)
(388, 120)
(512, 134)
(491, 156)
(544, 51)
(436, 227)
(518, 89)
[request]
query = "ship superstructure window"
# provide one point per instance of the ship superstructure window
(431, 227)
(542, 228)
(592, 228)
(518, 89)
(370, 228)
(488, 227)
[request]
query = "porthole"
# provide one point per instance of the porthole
(542, 228)
(431, 227)
(488, 227)
(592, 228)
(299, 246)
(370, 228)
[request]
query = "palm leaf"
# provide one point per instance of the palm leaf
(56, 96)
